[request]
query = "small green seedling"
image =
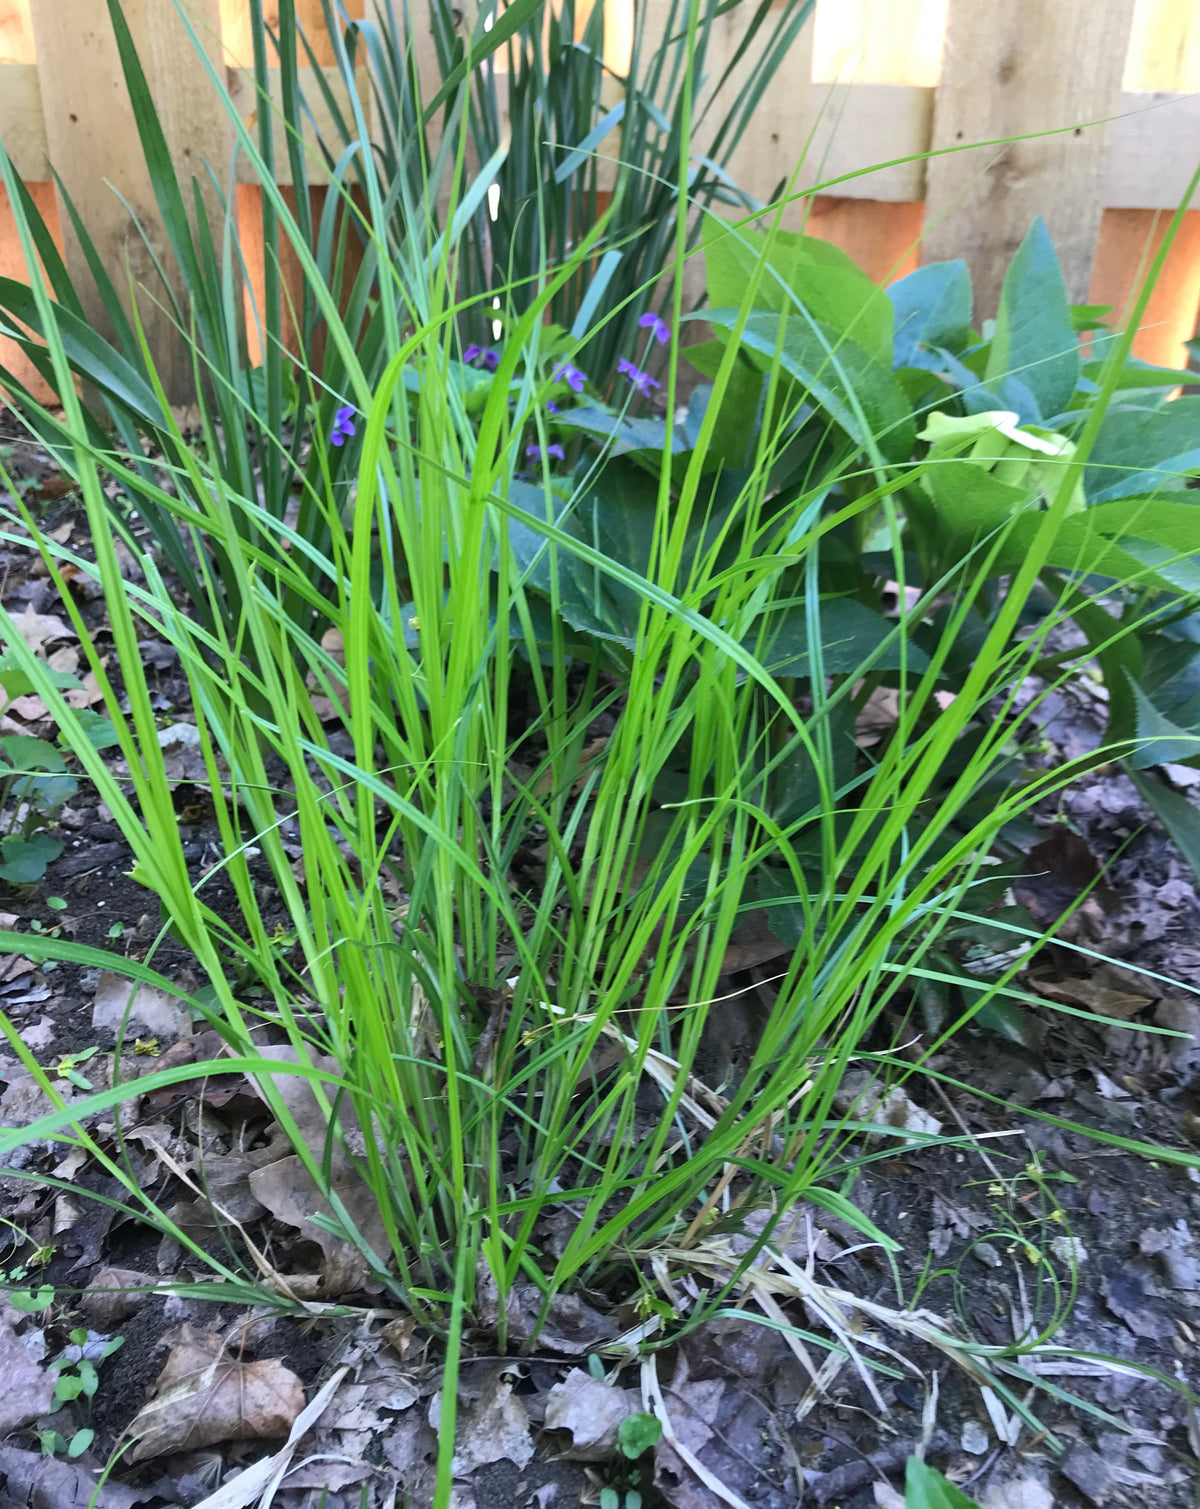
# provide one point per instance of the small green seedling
(68, 1067)
(636, 1435)
(34, 783)
(29, 1300)
(78, 1380)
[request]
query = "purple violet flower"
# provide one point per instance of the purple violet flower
(552, 407)
(642, 381)
(481, 356)
(657, 328)
(552, 452)
(343, 426)
(571, 375)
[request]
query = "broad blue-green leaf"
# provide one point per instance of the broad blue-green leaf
(48, 791)
(24, 752)
(926, 1488)
(621, 436)
(17, 684)
(616, 517)
(100, 731)
(25, 860)
(933, 308)
(1035, 339)
(803, 269)
(1161, 741)
(1175, 812)
(970, 501)
(856, 391)
(732, 441)
(853, 639)
(526, 544)
(1117, 540)
(1141, 451)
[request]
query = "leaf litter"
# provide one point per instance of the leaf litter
(390, 1400)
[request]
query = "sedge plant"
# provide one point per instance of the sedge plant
(428, 1035)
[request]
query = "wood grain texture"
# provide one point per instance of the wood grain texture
(236, 36)
(1007, 70)
(92, 140)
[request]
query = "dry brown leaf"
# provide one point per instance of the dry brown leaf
(28, 1388)
(41, 1482)
(40, 629)
(591, 1411)
(204, 1394)
(492, 1428)
(150, 1011)
(1106, 991)
(112, 1296)
(86, 695)
(879, 713)
(13, 966)
(66, 659)
(288, 1192)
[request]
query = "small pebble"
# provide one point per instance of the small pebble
(987, 1255)
(974, 1438)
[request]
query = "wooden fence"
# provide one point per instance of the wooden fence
(872, 81)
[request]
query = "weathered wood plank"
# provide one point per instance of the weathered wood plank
(239, 46)
(859, 125)
(1155, 140)
(1031, 65)
(92, 140)
(22, 125)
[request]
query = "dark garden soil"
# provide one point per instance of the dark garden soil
(1025, 1228)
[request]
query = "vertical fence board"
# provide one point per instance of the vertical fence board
(1032, 65)
(94, 144)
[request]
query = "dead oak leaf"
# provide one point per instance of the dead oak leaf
(28, 1387)
(41, 629)
(204, 1394)
(41, 1482)
(592, 1411)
